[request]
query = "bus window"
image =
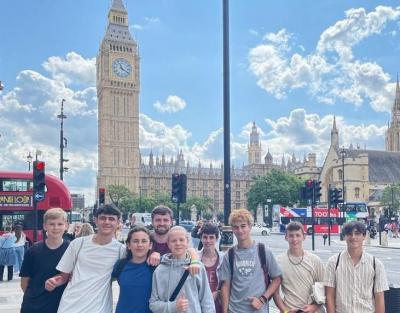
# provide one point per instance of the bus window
(25, 218)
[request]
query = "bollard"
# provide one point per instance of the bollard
(392, 300)
(384, 239)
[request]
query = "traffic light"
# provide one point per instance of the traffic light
(309, 190)
(332, 196)
(317, 191)
(339, 195)
(176, 188)
(39, 177)
(183, 188)
(102, 196)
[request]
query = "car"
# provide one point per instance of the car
(259, 230)
(188, 225)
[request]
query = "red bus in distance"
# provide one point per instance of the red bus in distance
(16, 200)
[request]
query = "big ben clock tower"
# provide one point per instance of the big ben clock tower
(118, 86)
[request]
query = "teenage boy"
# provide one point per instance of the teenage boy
(90, 260)
(301, 270)
(40, 263)
(244, 290)
(355, 281)
(194, 295)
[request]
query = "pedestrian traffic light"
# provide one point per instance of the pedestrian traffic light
(339, 195)
(175, 188)
(39, 177)
(309, 190)
(317, 191)
(102, 196)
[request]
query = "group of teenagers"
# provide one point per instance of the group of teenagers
(159, 272)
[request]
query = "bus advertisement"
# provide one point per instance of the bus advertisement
(16, 202)
(321, 216)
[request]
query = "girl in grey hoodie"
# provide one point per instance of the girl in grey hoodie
(195, 295)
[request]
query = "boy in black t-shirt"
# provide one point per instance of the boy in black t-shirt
(40, 263)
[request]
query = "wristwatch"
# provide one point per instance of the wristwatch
(264, 299)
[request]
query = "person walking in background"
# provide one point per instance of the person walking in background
(301, 271)
(86, 230)
(40, 264)
(133, 274)
(7, 253)
(196, 235)
(19, 247)
(355, 281)
(194, 295)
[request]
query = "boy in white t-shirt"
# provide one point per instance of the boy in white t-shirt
(90, 260)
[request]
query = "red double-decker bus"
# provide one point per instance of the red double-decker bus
(16, 200)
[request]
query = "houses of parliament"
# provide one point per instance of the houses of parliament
(120, 162)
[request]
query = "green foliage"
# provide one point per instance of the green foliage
(388, 197)
(118, 194)
(282, 188)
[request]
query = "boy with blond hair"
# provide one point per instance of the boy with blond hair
(194, 295)
(40, 264)
(241, 272)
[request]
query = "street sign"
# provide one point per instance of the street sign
(317, 220)
(39, 196)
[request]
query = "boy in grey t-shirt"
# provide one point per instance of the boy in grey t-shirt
(246, 292)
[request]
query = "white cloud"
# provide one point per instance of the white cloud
(73, 69)
(171, 105)
(331, 73)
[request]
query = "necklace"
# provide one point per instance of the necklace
(294, 263)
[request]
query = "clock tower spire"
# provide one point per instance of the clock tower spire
(118, 86)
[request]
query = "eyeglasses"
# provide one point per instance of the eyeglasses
(104, 218)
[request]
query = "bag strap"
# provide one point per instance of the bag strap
(373, 283)
(76, 257)
(231, 259)
(180, 285)
(337, 261)
(263, 261)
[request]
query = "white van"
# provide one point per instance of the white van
(142, 219)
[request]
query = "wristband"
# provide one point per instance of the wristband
(194, 262)
(264, 298)
(261, 300)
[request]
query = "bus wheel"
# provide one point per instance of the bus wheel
(309, 231)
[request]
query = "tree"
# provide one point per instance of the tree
(203, 204)
(282, 188)
(117, 194)
(390, 197)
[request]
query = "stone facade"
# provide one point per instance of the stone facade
(118, 85)
(393, 131)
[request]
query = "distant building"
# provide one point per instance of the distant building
(78, 201)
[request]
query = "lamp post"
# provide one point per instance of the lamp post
(29, 160)
(63, 141)
(343, 154)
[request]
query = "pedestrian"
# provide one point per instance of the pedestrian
(243, 268)
(302, 272)
(196, 235)
(90, 261)
(212, 259)
(7, 253)
(133, 274)
(193, 295)
(355, 280)
(19, 247)
(40, 263)
(162, 220)
(86, 230)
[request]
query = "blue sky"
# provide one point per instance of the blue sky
(294, 64)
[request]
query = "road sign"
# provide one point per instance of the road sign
(39, 196)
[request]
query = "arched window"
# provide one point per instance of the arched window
(340, 174)
(357, 192)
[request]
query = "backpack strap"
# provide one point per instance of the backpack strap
(373, 283)
(263, 261)
(231, 259)
(337, 261)
(77, 254)
(179, 286)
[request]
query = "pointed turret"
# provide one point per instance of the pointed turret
(254, 146)
(268, 158)
(334, 135)
(151, 159)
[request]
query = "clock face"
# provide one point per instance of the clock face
(121, 67)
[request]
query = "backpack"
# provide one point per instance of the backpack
(261, 256)
(373, 284)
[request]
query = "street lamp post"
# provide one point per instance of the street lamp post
(63, 141)
(29, 160)
(343, 154)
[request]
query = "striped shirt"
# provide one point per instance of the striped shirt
(354, 283)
